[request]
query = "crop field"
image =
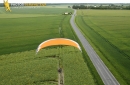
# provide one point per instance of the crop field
(25, 68)
(21, 31)
(25, 28)
(108, 33)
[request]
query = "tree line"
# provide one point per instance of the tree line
(101, 7)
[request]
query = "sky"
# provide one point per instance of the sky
(67, 1)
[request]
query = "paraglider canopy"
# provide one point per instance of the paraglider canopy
(58, 41)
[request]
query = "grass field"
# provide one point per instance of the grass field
(21, 31)
(108, 32)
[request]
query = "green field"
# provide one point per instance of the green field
(26, 68)
(25, 28)
(108, 32)
(21, 31)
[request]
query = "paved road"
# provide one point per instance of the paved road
(106, 76)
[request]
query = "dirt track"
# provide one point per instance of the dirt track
(61, 78)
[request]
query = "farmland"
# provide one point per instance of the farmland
(27, 68)
(21, 31)
(108, 33)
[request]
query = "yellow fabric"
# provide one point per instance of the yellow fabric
(6, 4)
